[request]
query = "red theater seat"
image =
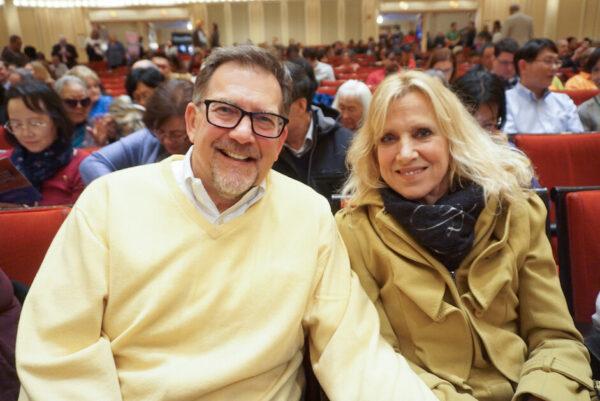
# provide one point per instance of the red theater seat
(563, 159)
(25, 237)
(578, 219)
(4, 144)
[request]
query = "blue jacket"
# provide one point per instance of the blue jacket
(136, 149)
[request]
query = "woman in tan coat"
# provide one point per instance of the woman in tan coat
(449, 242)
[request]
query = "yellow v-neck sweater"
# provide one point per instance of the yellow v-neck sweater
(140, 298)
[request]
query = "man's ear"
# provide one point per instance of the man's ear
(281, 140)
(522, 66)
(191, 122)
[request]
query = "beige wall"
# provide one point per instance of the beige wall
(306, 21)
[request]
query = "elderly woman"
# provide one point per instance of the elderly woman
(141, 82)
(75, 96)
(450, 244)
(100, 102)
(352, 100)
(166, 134)
(40, 130)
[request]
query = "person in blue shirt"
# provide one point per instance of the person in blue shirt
(164, 135)
(531, 107)
(100, 101)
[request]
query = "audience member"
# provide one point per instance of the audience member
(582, 81)
(518, 26)
(40, 130)
(482, 93)
(323, 71)
(4, 73)
(74, 93)
(450, 244)
(100, 102)
(467, 35)
(530, 106)
(30, 52)
(66, 52)
(315, 148)
(487, 56)
(497, 32)
(199, 39)
(18, 75)
(141, 82)
(164, 136)
(10, 309)
(12, 54)
(442, 60)
(352, 100)
(589, 111)
(565, 54)
(215, 40)
(163, 65)
(205, 291)
(116, 55)
(57, 67)
(452, 36)
(40, 72)
(93, 46)
(504, 61)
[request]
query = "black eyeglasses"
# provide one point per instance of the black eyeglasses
(225, 115)
(72, 103)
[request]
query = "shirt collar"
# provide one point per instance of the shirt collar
(205, 204)
(525, 91)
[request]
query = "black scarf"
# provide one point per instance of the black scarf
(445, 228)
(38, 167)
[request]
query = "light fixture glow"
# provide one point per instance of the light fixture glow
(379, 19)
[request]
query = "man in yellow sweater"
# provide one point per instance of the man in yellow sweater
(201, 277)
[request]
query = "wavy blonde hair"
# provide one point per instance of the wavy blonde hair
(503, 172)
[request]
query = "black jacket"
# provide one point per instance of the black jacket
(323, 167)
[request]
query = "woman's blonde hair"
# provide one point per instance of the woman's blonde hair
(82, 72)
(503, 172)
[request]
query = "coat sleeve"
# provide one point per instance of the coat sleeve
(443, 389)
(61, 352)
(558, 366)
(349, 357)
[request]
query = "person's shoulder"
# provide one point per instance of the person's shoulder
(561, 98)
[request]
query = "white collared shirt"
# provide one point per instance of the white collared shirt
(308, 140)
(194, 190)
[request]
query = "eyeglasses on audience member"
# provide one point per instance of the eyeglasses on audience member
(73, 103)
(16, 126)
(225, 115)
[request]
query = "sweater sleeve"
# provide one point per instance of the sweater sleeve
(350, 358)
(443, 390)
(558, 366)
(62, 353)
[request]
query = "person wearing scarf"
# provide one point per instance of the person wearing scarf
(449, 242)
(40, 130)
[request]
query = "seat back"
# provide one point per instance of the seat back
(580, 95)
(563, 159)
(25, 236)
(4, 144)
(578, 219)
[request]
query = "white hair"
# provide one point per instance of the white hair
(354, 89)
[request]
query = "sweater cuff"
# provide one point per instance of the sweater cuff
(550, 386)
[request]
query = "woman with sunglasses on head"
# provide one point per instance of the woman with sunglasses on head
(76, 99)
(164, 136)
(40, 131)
(449, 242)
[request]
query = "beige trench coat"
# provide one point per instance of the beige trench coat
(498, 330)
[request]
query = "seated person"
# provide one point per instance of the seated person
(141, 82)
(504, 61)
(76, 99)
(10, 309)
(40, 130)
(530, 106)
(352, 101)
(100, 102)
(449, 242)
(165, 135)
(583, 80)
(589, 111)
(442, 60)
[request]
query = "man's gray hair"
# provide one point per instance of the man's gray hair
(68, 80)
(354, 89)
(245, 56)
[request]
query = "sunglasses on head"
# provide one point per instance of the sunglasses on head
(85, 102)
